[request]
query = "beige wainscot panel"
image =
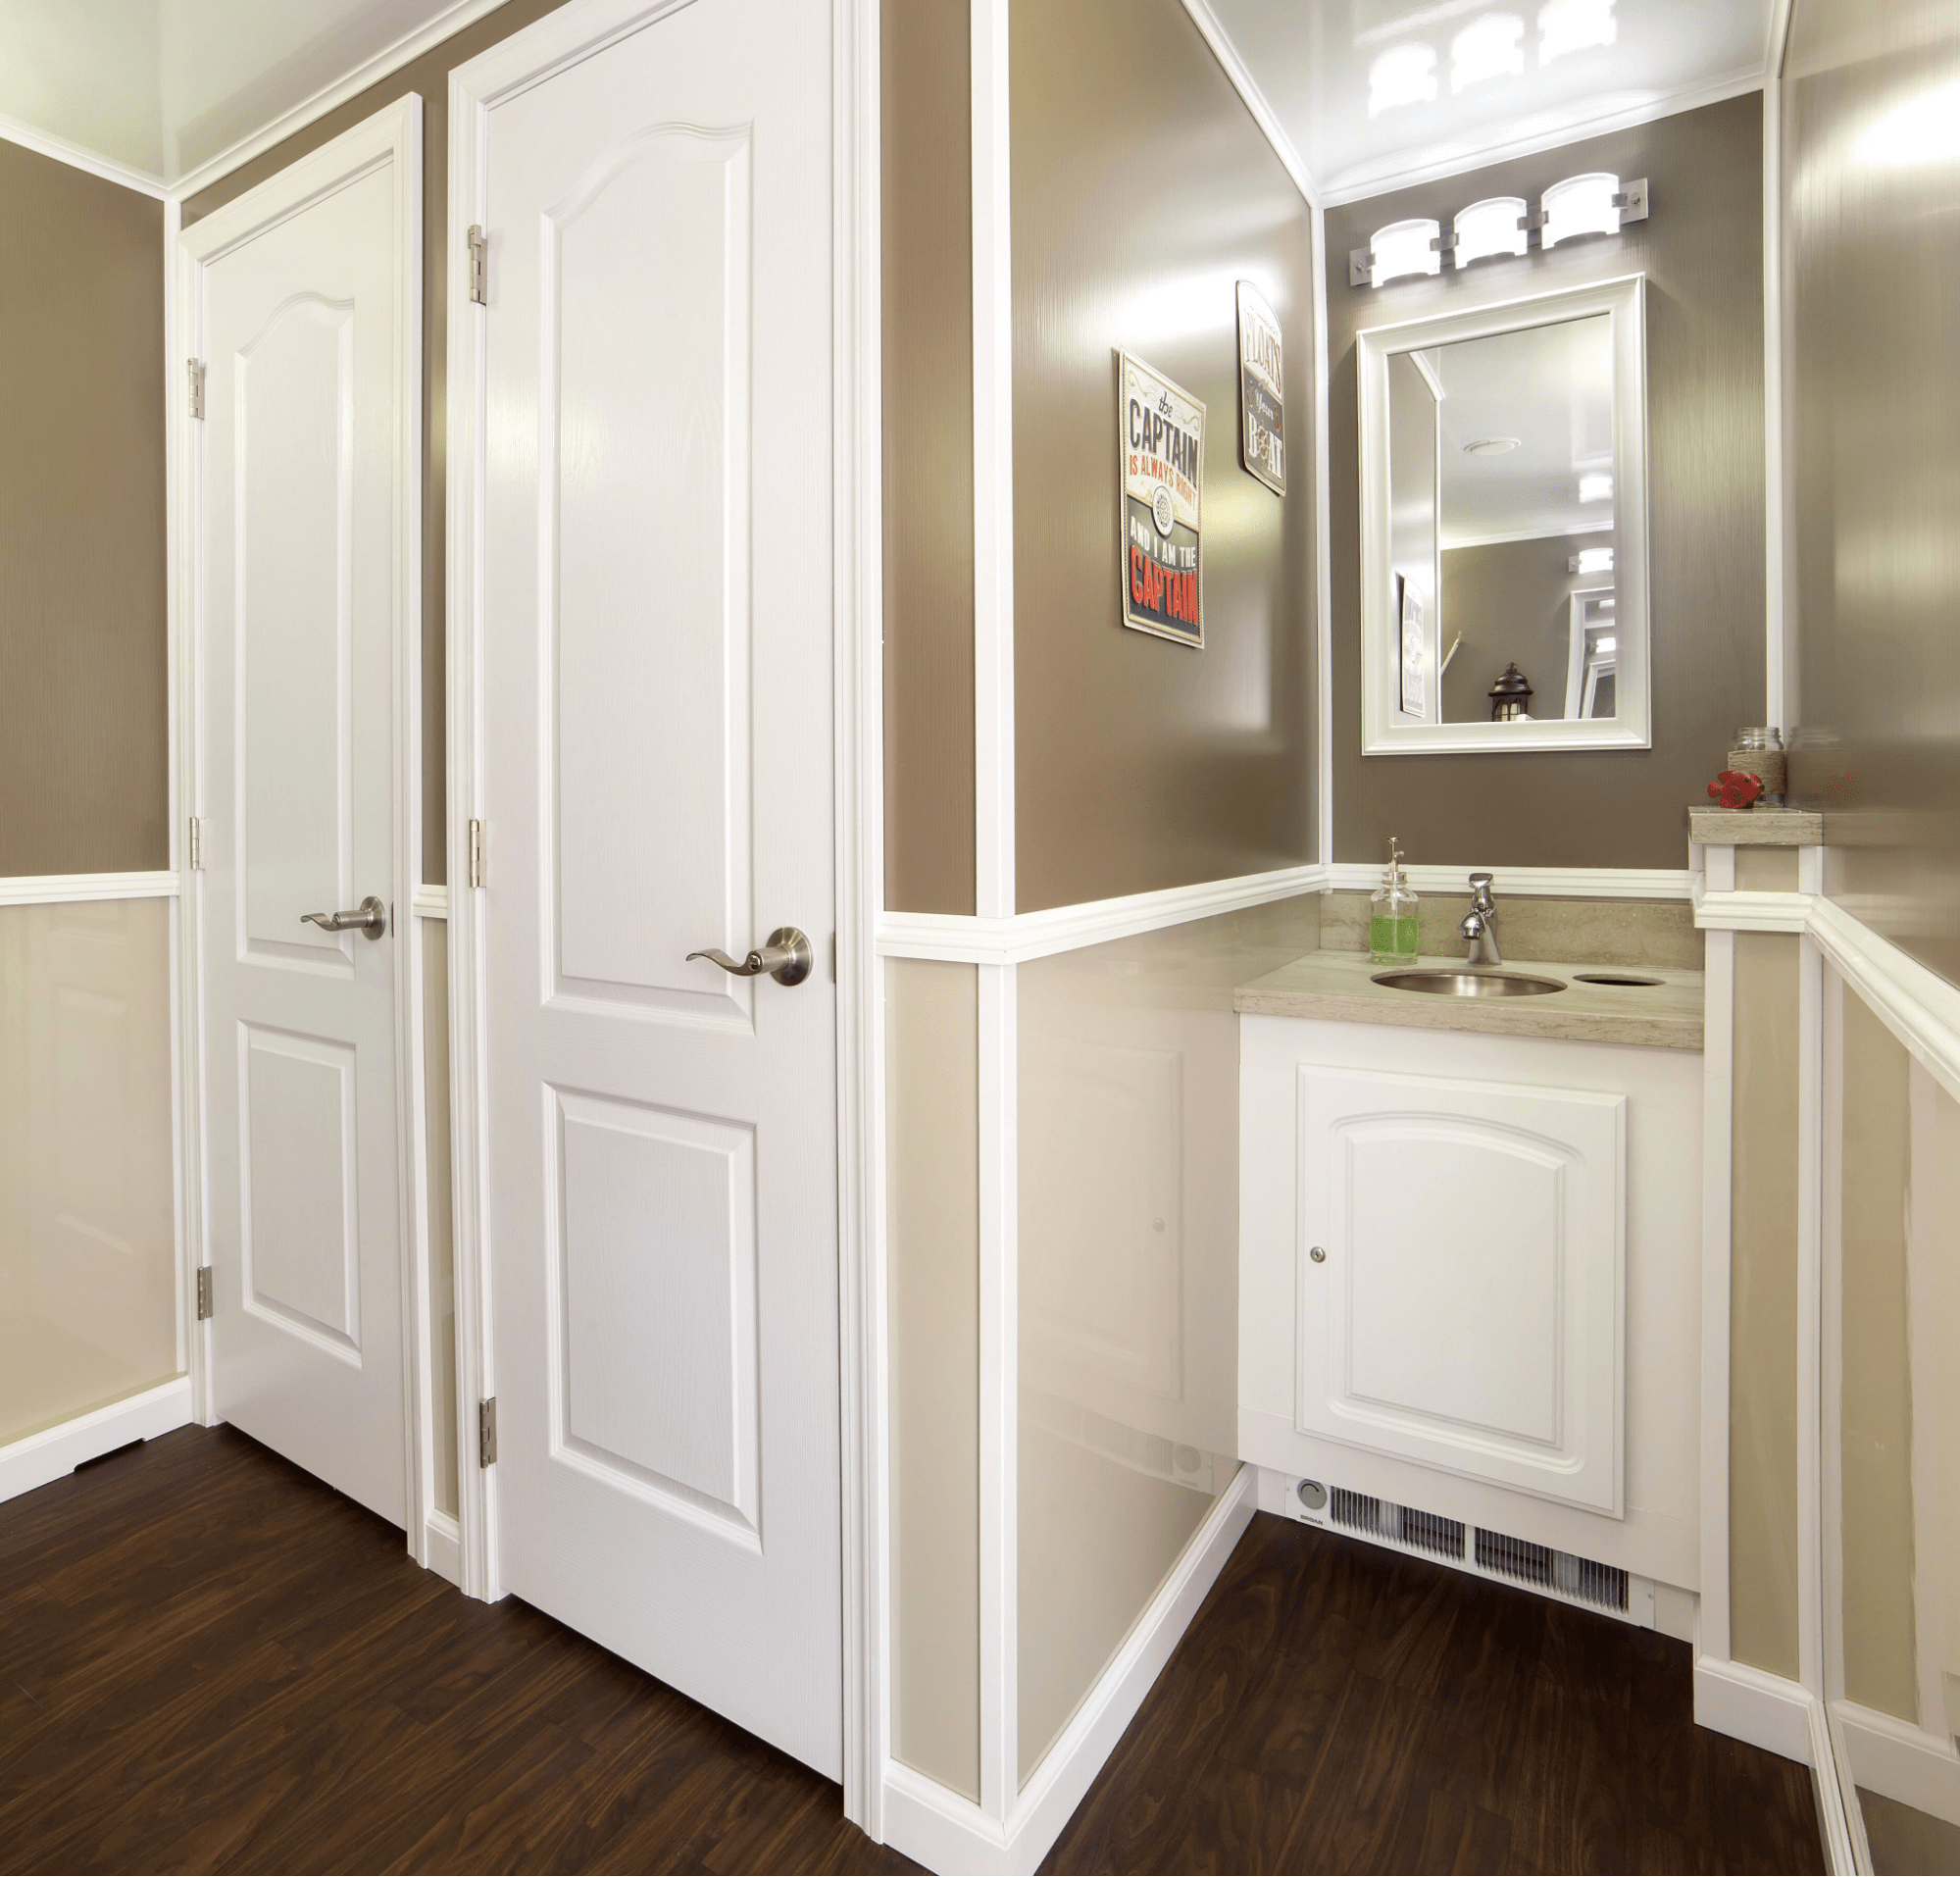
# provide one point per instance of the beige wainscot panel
(931, 1034)
(1763, 1302)
(88, 1289)
(441, 1237)
(1875, 1430)
(1129, 1279)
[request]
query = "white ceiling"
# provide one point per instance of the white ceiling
(1312, 60)
(161, 87)
(1551, 388)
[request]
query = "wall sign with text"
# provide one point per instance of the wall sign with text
(1262, 391)
(1161, 445)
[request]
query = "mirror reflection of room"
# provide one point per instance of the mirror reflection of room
(1501, 464)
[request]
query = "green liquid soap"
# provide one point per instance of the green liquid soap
(1391, 937)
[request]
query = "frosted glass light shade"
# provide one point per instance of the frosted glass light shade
(1595, 487)
(1403, 249)
(1594, 560)
(1581, 205)
(1489, 227)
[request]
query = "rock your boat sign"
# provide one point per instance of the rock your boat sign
(1161, 443)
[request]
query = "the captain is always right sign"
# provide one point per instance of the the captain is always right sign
(1161, 443)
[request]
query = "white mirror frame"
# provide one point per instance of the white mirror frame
(1623, 301)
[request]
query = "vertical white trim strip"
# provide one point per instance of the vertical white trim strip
(858, 796)
(999, 1623)
(1717, 1162)
(1809, 1312)
(475, 1378)
(1323, 548)
(993, 468)
(1780, 704)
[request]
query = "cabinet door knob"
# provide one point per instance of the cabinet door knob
(1318, 1254)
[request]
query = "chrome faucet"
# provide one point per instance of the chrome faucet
(1479, 923)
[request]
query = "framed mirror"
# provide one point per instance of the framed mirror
(1504, 527)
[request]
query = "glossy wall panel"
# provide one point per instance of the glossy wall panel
(929, 456)
(931, 1106)
(1702, 253)
(1129, 1277)
(1141, 193)
(88, 1303)
(83, 683)
(1871, 175)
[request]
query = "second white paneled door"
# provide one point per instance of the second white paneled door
(646, 533)
(304, 485)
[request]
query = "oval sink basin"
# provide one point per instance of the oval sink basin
(1469, 984)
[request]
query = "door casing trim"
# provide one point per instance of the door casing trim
(390, 138)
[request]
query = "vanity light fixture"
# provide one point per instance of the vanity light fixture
(1591, 204)
(1400, 249)
(1597, 486)
(1494, 226)
(1606, 644)
(1591, 560)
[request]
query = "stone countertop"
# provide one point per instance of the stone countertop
(1338, 986)
(1754, 827)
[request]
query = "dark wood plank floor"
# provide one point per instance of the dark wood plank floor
(1340, 1707)
(210, 1661)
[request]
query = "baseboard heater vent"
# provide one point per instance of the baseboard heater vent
(1472, 1547)
(1399, 1524)
(1603, 1586)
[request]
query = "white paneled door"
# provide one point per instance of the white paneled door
(302, 525)
(654, 600)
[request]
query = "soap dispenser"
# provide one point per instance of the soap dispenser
(1392, 915)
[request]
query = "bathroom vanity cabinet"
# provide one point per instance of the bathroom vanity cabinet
(1469, 1268)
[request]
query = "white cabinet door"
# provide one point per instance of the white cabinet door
(1464, 1308)
(656, 618)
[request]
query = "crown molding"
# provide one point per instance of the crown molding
(1363, 183)
(12, 130)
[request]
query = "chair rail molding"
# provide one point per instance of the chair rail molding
(64, 890)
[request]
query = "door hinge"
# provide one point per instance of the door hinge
(205, 1307)
(487, 1432)
(475, 853)
(195, 844)
(480, 267)
(195, 367)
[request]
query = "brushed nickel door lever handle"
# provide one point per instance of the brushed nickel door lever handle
(786, 958)
(370, 916)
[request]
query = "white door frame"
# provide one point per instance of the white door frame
(562, 38)
(391, 136)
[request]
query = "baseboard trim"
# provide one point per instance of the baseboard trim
(442, 1540)
(1751, 1705)
(1898, 1761)
(951, 1835)
(41, 1458)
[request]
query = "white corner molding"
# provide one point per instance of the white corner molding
(430, 902)
(1019, 937)
(1542, 882)
(949, 1833)
(61, 889)
(1253, 98)
(1899, 1761)
(39, 1458)
(61, 150)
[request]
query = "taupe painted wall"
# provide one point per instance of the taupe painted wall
(929, 456)
(1702, 253)
(1763, 1302)
(1872, 253)
(83, 659)
(1512, 602)
(1141, 191)
(430, 77)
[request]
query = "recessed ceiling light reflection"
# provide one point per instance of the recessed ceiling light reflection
(1491, 447)
(1923, 130)
(1403, 75)
(1491, 47)
(1597, 488)
(1572, 26)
